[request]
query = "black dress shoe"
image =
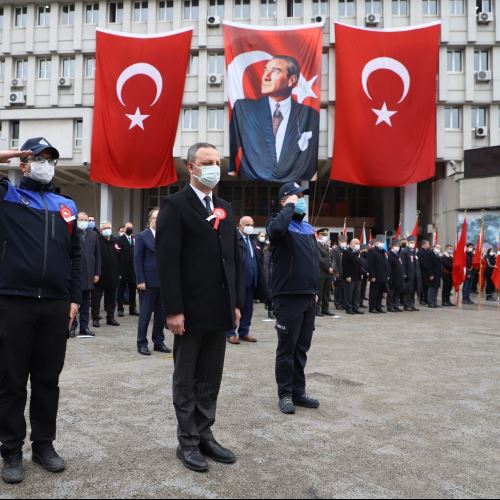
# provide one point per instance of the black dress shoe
(357, 311)
(96, 324)
(72, 333)
(305, 401)
(112, 322)
(328, 313)
(13, 470)
(408, 309)
(162, 348)
(374, 311)
(121, 314)
(134, 312)
(215, 451)
(350, 312)
(87, 332)
(192, 458)
(415, 309)
(320, 315)
(381, 311)
(144, 351)
(47, 457)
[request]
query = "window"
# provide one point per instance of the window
(294, 8)
(190, 119)
(347, 8)
(374, 6)
(68, 67)
(216, 119)
(216, 64)
(44, 69)
(89, 67)
(140, 13)
(78, 133)
(241, 9)
(399, 7)
(68, 15)
(21, 69)
(267, 8)
(166, 11)
(457, 7)
(92, 13)
(481, 60)
(216, 8)
(479, 117)
(453, 117)
(455, 61)
(323, 119)
(14, 134)
(430, 7)
(20, 17)
(324, 64)
(484, 5)
(191, 10)
(320, 7)
(115, 14)
(43, 18)
(2, 70)
(1, 18)
(193, 64)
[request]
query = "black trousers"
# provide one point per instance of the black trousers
(339, 294)
(109, 302)
(150, 300)
(33, 337)
(447, 288)
(432, 295)
(409, 292)
(132, 290)
(394, 297)
(364, 285)
(325, 292)
(352, 295)
(295, 317)
(376, 295)
(198, 366)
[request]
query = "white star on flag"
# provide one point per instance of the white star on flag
(303, 90)
(137, 120)
(384, 115)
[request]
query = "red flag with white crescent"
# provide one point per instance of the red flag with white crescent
(138, 97)
(460, 258)
(385, 114)
(274, 93)
(495, 278)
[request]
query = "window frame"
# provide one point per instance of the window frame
(399, 3)
(94, 12)
(371, 10)
(78, 141)
(190, 110)
(453, 4)
(70, 15)
(72, 67)
(24, 65)
(318, 6)
(454, 52)
(292, 6)
(86, 61)
(143, 11)
(219, 119)
(193, 10)
(344, 6)
(266, 7)
(118, 12)
(242, 8)
(23, 16)
(475, 114)
(478, 60)
(449, 118)
(215, 10)
(166, 8)
(43, 12)
(48, 68)
(430, 3)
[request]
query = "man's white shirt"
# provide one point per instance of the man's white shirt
(285, 108)
(201, 195)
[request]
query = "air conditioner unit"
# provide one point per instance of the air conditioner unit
(318, 19)
(17, 83)
(483, 76)
(64, 82)
(215, 79)
(372, 19)
(485, 17)
(17, 98)
(481, 132)
(213, 21)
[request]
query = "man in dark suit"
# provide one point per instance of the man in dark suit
(351, 276)
(447, 271)
(91, 270)
(200, 278)
(436, 270)
(378, 273)
(275, 137)
(396, 280)
(326, 273)
(337, 253)
(426, 269)
(127, 272)
(411, 274)
(254, 282)
(148, 284)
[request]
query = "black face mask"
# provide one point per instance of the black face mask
(403, 245)
(129, 231)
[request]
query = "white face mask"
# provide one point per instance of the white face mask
(262, 240)
(411, 246)
(210, 175)
(357, 247)
(42, 172)
(248, 230)
(380, 245)
(437, 251)
(395, 249)
(343, 246)
(106, 233)
(83, 225)
(324, 239)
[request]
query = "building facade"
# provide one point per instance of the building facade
(47, 69)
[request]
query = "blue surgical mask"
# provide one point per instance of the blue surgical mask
(106, 233)
(210, 175)
(83, 225)
(301, 206)
(91, 225)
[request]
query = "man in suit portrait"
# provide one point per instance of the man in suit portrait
(275, 138)
(199, 265)
(148, 284)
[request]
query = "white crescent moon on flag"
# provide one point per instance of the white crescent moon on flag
(389, 64)
(139, 69)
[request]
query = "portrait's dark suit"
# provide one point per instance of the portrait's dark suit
(200, 277)
(149, 299)
(252, 130)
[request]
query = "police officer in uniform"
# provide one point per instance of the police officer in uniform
(295, 283)
(40, 290)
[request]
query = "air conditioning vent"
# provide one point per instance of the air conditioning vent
(372, 19)
(481, 132)
(483, 76)
(318, 19)
(64, 82)
(485, 17)
(17, 98)
(17, 83)
(213, 21)
(215, 79)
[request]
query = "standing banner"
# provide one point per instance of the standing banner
(274, 92)
(385, 114)
(138, 96)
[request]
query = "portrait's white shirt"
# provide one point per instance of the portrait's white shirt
(285, 108)
(201, 195)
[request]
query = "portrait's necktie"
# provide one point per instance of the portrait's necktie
(277, 119)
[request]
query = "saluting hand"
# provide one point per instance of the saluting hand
(292, 199)
(6, 156)
(175, 323)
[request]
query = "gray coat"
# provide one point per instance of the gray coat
(91, 258)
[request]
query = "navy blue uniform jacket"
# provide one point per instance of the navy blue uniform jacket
(145, 259)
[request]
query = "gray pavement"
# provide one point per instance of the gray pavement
(410, 407)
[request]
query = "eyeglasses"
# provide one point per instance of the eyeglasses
(41, 159)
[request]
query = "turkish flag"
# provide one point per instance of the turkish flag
(385, 116)
(495, 278)
(138, 96)
(460, 258)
